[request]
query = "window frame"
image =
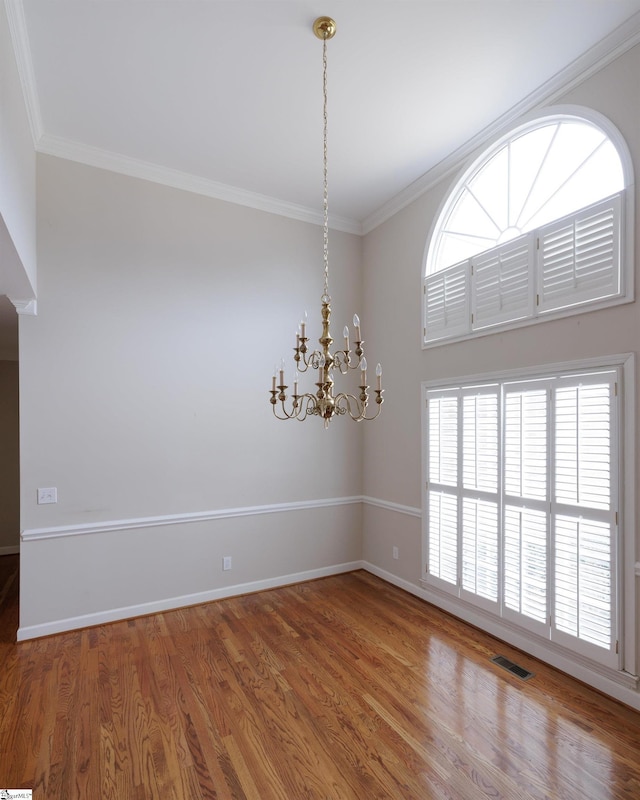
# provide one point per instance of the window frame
(481, 613)
(465, 330)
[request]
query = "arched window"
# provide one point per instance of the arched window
(496, 255)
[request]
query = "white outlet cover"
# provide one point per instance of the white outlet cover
(48, 495)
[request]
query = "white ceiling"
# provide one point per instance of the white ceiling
(225, 96)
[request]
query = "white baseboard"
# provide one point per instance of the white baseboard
(622, 687)
(173, 603)
(9, 550)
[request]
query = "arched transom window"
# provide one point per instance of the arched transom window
(542, 173)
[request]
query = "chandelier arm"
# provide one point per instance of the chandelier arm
(314, 359)
(305, 405)
(278, 400)
(342, 361)
(347, 401)
(361, 405)
(284, 414)
(307, 360)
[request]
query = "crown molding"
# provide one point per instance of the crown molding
(27, 307)
(24, 63)
(136, 168)
(599, 56)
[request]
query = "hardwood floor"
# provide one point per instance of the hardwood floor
(344, 687)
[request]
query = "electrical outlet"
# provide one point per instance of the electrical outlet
(49, 495)
(226, 562)
(396, 553)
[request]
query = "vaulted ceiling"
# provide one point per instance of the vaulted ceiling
(225, 96)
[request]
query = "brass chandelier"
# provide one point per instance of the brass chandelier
(323, 403)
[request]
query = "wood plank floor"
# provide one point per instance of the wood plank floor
(344, 687)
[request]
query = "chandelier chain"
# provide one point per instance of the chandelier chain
(325, 195)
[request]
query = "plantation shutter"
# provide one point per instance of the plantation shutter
(584, 515)
(443, 536)
(526, 467)
(443, 440)
(446, 303)
(583, 580)
(579, 257)
(525, 564)
(583, 445)
(479, 493)
(525, 442)
(502, 283)
(442, 474)
(480, 548)
(480, 441)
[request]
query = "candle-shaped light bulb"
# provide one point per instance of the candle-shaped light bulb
(345, 333)
(303, 326)
(321, 362)
(378, 377)
(273, 380)
(282, 372)
(295, 383)
(363, 367)
(356, 325)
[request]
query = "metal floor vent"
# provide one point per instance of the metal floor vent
(521, 672)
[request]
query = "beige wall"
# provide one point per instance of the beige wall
(9, 459)
(145, 384)
(393, 264)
